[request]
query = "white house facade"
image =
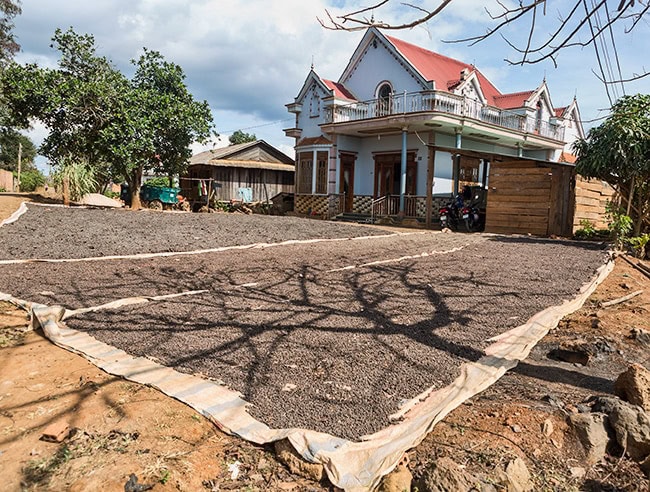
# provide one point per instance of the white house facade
(403, 128)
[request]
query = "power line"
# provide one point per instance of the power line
(618, 62)
(257, 126)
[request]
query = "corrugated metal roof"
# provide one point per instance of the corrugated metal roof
(230, 153)
(441, 69)
(272, 166)
(339, 89)
(512, 100)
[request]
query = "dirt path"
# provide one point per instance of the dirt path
(125, 428)
(9, 203)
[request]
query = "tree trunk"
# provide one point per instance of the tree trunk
(134, 188)
(66, 191)
(639, 218)
(630, 197)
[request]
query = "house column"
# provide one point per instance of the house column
(402, 188)
(459, 145)
(314, 169)
(333, 167)
(431, 165)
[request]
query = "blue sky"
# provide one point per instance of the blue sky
(249, 58)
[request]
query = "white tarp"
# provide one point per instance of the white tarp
(353, 466)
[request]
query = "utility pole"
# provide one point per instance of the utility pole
(20, 156)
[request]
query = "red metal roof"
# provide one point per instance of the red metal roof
(513, 100)
(441, 69)
(560, 111)
(567, 157)
(339, 90)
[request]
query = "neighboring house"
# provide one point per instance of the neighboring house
(403, 128)
(253, 171)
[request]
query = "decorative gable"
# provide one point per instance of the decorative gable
(469, 85)
(377, 60)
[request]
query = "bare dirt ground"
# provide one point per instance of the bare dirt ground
(124, 428)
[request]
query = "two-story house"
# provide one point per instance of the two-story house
(403, 128)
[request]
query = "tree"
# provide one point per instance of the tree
(240, 137)
(155, 123)
(8, 44)
(100, 119)
(74, 101)
(9, 143)
(618, 152)
(577, 24)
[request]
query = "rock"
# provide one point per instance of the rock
(577, 472)
(640, 335)
(296, 463)
(444, 475)
(554, 401)
(132, 485)
(516, 477)
(634, 386)
(592, 434)
(645, 466)
(399, 480)
(630, 423)
(515, 428)
(56, 432)
(548, 427)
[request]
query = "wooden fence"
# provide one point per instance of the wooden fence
(591, 199)
(528, 197)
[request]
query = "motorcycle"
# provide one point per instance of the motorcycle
(450, 214)
(463, 211)
(471, 218)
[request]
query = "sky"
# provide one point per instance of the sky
(250, 58)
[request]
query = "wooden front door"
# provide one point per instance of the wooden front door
(388, 170)
(346, 182)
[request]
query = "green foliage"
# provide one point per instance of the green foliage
(9, 143)
(81, 178)
(8, 44)
(639, 245)
(165, 475)
(620, 225)
(240, 137)
(586, 231)
(159, 182)
(618, 151)
(119, 127)
(30, 180)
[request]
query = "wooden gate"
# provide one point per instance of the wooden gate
(530, 197)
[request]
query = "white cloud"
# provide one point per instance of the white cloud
(250, 58)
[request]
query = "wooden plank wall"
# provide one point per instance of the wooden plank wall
(562, 201)
(518, 198)
(591, 197)
(265, 183)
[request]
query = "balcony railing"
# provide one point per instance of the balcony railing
(442, 102)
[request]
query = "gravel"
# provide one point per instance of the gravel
(80, 232)
(354, 342)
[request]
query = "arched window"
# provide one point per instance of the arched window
(384, 98)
